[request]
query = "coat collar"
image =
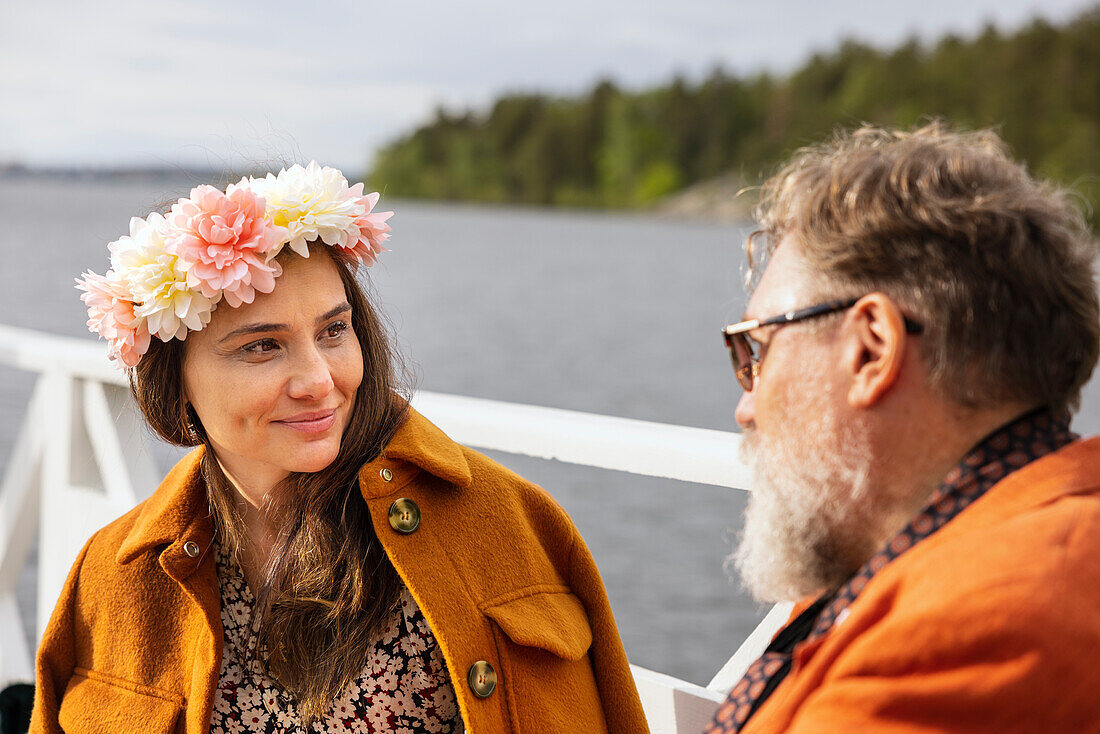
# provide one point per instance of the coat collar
(180, 501)
(174, 506)
(419, 445)
(1071, 470)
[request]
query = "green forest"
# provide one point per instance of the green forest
(1039, 86)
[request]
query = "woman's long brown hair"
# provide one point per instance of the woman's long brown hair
(328, 585)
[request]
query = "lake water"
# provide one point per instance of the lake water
(609, 314)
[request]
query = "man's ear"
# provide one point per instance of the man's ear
(875, 350)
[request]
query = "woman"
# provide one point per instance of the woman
(326, 559)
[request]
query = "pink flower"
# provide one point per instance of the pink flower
(111, 315)
(222, 241)
(373, 230)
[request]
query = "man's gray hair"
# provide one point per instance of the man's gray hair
(998, 266)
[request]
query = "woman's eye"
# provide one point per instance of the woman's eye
(335, 329)
(260, 346)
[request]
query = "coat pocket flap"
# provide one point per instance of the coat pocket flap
(554, 621)
(93, 703)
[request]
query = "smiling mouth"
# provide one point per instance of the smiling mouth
(315, 422)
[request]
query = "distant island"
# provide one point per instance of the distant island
(152, 174)
(689, 147)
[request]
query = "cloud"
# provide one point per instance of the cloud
(130, 81)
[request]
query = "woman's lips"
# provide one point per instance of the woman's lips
(316, 422)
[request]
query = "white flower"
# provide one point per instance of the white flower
(158, 281)
(312, 203)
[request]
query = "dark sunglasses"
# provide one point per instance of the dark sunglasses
(744, 350)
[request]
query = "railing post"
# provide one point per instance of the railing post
(752, 648)
(673, 706)
(86, 479)
(19, 502)
(53, 543)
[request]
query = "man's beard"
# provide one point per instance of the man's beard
(811, 520)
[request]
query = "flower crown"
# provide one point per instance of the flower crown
(169, 273)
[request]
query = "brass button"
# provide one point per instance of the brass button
(404, 515)
(387, 475)
(191, 548)
(482, 679)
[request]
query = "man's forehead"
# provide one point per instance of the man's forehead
(784, 284)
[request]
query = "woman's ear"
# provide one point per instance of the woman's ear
(876, 328)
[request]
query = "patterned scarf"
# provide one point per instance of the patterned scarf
(1002, 452)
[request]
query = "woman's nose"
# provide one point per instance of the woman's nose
(312, 377)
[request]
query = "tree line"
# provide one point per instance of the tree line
(1039, 86)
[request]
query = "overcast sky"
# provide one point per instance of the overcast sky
(156, 82)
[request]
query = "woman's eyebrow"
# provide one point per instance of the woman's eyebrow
(253, 329)
(257, 328)
(335, 311)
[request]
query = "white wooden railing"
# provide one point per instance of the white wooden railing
(68, 475)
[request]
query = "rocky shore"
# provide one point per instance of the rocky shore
(724, 199)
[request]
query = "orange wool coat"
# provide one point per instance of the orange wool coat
(497, 567)
(990, 625)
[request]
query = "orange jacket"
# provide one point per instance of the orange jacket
(992, 624)
(499, 570)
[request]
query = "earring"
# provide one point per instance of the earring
(191, 420)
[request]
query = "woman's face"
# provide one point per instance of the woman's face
(274, 381)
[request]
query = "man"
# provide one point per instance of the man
(910, 359)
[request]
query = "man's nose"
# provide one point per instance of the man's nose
(746, 410)
(312, 378)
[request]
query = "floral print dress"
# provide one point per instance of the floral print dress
(404, 686)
